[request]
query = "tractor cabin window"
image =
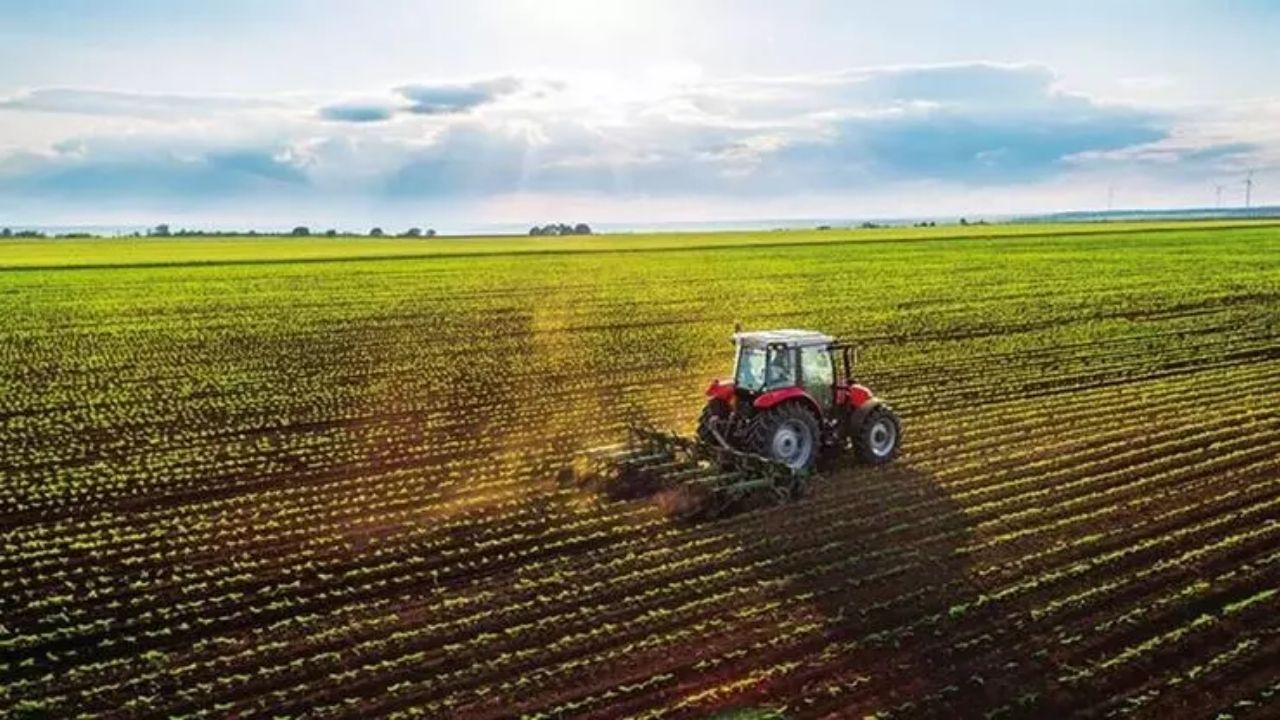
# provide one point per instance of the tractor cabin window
(765, 368)
(817, 374)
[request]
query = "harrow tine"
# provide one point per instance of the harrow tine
(663, 469)
(690, 474)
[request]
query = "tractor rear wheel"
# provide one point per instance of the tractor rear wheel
(877, 440)
(714, 414)
(787, 433)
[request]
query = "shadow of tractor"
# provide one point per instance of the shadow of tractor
(874, 584)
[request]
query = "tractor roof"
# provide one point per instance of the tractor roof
(790, 338)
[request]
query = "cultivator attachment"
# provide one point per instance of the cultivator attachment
(689, 478)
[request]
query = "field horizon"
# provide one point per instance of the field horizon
(198, 249)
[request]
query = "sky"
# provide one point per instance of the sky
(468, 115)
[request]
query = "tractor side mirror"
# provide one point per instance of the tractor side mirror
(850, 362)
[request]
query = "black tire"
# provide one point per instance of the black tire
(715, 411)
(877, 440)
(771, 428)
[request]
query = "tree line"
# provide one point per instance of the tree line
(560, 229)
(299, 231)
(164, 230)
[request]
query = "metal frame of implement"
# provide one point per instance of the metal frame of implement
(697, 479)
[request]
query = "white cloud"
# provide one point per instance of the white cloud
(448, 98)
(959, 129)
(357, 111)
(83, 101)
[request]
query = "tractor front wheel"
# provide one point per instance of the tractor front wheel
(877, 440)
(789, 434)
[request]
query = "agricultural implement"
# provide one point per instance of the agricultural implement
(760, 436)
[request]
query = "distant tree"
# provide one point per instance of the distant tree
(412, 232)
(301, 230)
(868, 226)
(330, 233)
(964, 221)
(431, 232)
(376, 232)
(161, 230)
(560, 229)
(6, 233)
(824, 227)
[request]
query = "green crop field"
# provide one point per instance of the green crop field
(265, 477)
(117, 252)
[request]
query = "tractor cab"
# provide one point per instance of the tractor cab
(814, 363)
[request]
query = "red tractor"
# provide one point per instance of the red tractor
(793, 397)
(759, 435)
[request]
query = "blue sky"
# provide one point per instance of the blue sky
(458, 114)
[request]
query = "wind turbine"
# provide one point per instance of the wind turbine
(1218, 190)
(1248, 189)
